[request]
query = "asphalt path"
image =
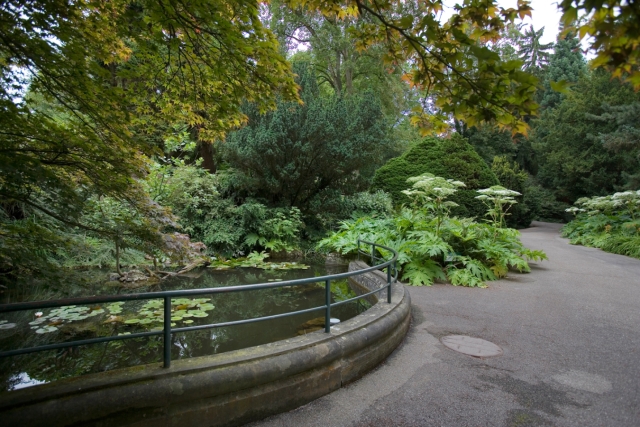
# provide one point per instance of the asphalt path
(569, 330)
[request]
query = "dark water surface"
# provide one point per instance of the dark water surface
(22, 371)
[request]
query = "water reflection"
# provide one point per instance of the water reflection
(24, 371)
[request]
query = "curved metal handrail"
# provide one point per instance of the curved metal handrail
(168, 330)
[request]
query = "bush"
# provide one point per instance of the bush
(208, 214)
(514, 178)
(544, 204)
(432, 245)
(449, 158)
(611, 223)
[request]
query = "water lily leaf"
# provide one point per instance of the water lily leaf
(146, 321)
(3, 321)
(124, 333)
(173, 324)
(7, 326)
(46, 330)
(35, 322)
(176, 318)
(132, 321)
(187, 315)
(188, 321)
(200, 314)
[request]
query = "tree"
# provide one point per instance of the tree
(624, 136)
(85, 85)
(574, 162)
(567, 65)
(301, 154)
(455, 72)
(533, 53)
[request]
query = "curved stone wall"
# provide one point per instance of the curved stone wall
(226, 389)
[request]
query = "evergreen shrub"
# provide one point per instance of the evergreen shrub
(452, 158)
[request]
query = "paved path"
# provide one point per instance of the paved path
(570, 332)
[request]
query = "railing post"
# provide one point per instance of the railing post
(395, 270)
(389, 283)
(327, 299)
(167, 332)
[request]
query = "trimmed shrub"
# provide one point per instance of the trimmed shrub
(452, 158)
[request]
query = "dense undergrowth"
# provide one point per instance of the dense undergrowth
(611, 223)
(432, 245)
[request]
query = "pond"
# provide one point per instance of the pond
(76, 323)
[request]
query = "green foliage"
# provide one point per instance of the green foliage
(566, 66)
(624, 137)
(611, 223)
(452, 158)
(452, 65)
(614, 30)
(256, 260)
(513, 177)
(303, 155)
(433, 246)
(88, 86)
(208, 213)
(574, 162)
(498, 201)
(533, 53)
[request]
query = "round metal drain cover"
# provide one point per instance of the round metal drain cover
(475, 347)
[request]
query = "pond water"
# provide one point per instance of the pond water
(75, 323)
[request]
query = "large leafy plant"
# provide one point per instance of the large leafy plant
(434, 246)
(610, 223)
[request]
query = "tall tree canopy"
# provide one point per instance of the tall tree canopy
(106, 74)
(567, 65)
(568, 139)
(533, 53)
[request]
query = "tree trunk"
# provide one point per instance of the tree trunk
(118, 258)
(207, 152)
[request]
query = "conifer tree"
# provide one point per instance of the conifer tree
(566, 64)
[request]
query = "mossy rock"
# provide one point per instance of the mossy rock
(450, 157)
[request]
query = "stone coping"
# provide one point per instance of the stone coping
(225, 389)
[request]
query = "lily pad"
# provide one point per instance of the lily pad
(46, 330)
(132, 321)
(7, 326)
(200, 314)
(188, 321)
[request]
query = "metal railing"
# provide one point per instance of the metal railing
(168, 330)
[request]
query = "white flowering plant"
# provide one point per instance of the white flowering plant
(432, 245)
(498, 200)
(611, 223)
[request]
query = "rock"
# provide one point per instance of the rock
(113, 277)
(335, 259)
